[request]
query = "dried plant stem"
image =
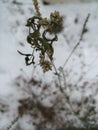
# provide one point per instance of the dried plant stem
(13, 122)
(56, 72)
(81, 37)
(83, 30)
(60, 85)
(36, 5)
(61, 89)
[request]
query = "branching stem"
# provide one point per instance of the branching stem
(81, 37)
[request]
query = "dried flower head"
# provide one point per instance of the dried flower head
(54, 24)
(39, 30)
(45, 64)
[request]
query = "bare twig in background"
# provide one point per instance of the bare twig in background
(81, 37)
(13, 122)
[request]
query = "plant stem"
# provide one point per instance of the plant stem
(58, 77)
(13, 122)
(81, 37)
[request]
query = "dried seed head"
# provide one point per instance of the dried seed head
(45, 64)
(56, 25)
(44, 22)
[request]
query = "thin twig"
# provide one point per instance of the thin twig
(13, 122)
(56, 72)
(81, 37)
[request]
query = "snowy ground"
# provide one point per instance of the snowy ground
(82, 67)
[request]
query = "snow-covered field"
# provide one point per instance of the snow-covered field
(81, 70)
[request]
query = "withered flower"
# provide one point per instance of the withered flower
(45, 64)
(56, 25)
